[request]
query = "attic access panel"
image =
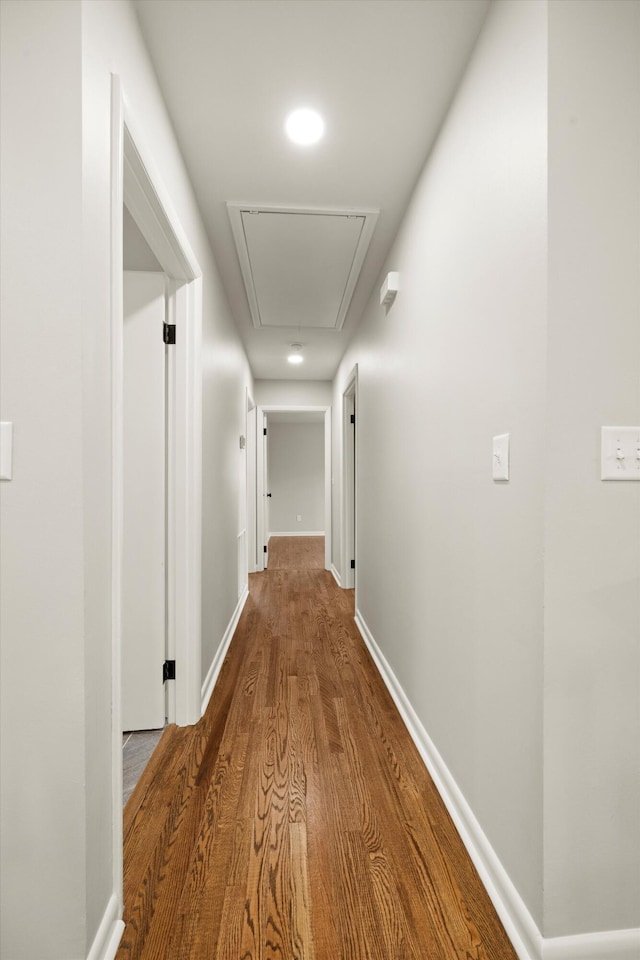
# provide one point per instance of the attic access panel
(300, 266)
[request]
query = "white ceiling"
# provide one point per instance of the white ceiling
(381, 72)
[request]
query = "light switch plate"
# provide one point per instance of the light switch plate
(620, 453)
(6, 451)
(501, 457)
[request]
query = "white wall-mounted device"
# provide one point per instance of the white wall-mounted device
(620, 453)
(389, 289)
(6, 451)
(501, 457)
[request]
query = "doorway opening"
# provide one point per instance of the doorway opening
(174, 535)
(264, 498)
(147, 438)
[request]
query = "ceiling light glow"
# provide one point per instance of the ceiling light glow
(304, 127)
(295, 356)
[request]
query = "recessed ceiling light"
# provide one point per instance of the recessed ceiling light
(304, 127)
(295, 356)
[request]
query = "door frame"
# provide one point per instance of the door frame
(261, 492)
(349, 513)
(135, 179)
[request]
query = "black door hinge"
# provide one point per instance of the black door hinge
(265, 549)
(169, 333)
(353, 418)
(353, 564)
(168, 670)
(265, 431)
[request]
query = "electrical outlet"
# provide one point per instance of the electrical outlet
(620, 453)
(299, 517)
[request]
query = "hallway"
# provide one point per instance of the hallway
(296, 820)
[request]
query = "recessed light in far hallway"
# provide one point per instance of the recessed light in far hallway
(304, 127)
(295, 356)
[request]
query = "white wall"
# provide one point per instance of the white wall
(296, 477)
(56, 523)
(42, 553)
(302, 393)
(592, 542)
(510, 613)
(454, 597)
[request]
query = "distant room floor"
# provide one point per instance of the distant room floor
(137, 747)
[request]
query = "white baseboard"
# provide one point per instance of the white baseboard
(610, 945)
(521, 928)
(216, 663)
(336, 576)
(298, 533)
(107, 939)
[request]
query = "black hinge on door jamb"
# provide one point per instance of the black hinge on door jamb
(353, 418)
(168, 670)
(264, 431)
(353, 564)
(169, 333)
(265, 549)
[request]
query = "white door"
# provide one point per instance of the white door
(143, 568)
(349, 488)
(267, 492)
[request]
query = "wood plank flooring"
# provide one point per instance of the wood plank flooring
(296, 820)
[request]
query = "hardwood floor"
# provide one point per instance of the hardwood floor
(296, 553)
(296, 820)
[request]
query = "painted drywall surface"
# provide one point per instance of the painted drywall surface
(137, 254)
(41, 614)
(449, 576)
(296, 477)
(302, 393)
(592, 543)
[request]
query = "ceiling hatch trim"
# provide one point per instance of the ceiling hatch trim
(300, 265)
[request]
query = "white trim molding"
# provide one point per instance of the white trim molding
(107, 939)
(297, 533)
(216, 663)
(520, 926)
(336, 575)
(609, 945)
